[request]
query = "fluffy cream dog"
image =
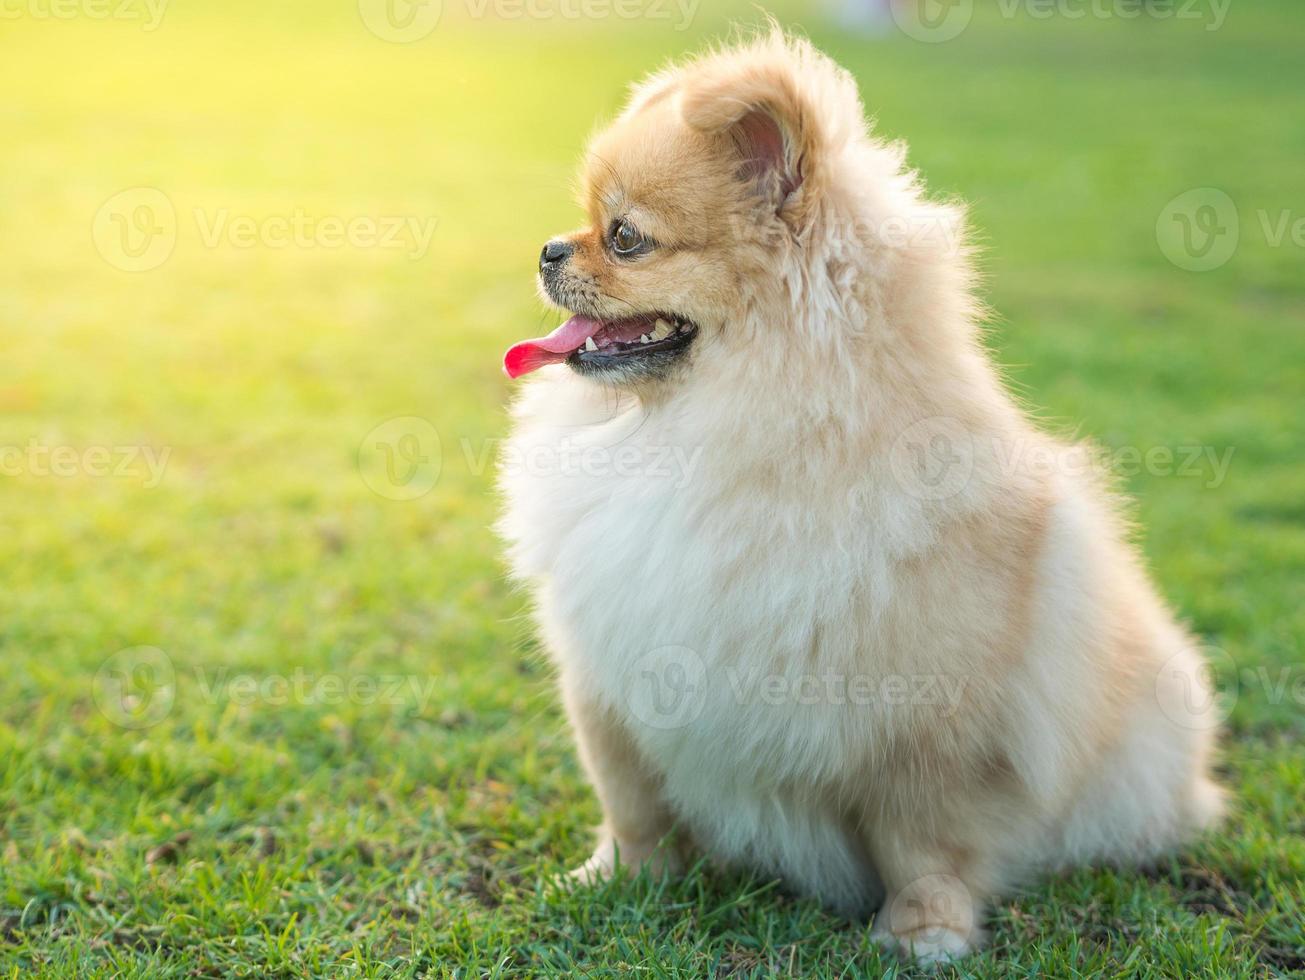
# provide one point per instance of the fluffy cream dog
(819, 594)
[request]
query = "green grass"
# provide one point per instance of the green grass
(416, 831)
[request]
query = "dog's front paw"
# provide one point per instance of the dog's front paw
(593, 871)
(931, 920)
(929, 944)
(612, 855)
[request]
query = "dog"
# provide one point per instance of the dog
(824, 604)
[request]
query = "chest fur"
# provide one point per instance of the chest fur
(744, 633)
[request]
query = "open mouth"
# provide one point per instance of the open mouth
(633, 346)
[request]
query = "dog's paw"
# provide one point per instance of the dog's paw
(592, 872)
(934, 919)
(611, 857)
(928, 945)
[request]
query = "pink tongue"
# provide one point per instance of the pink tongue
(531, 355)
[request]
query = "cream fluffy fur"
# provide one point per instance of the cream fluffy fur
(882, 637)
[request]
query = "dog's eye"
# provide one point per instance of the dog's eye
(626, 238)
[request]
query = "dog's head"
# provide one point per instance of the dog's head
(696, 198)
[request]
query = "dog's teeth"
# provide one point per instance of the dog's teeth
(589, 344)
(661, 329)
(644, 338)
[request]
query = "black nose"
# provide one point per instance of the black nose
(554, 254)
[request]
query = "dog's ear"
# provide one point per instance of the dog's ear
(772, 128)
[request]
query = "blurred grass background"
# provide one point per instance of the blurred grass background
(415, 834)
